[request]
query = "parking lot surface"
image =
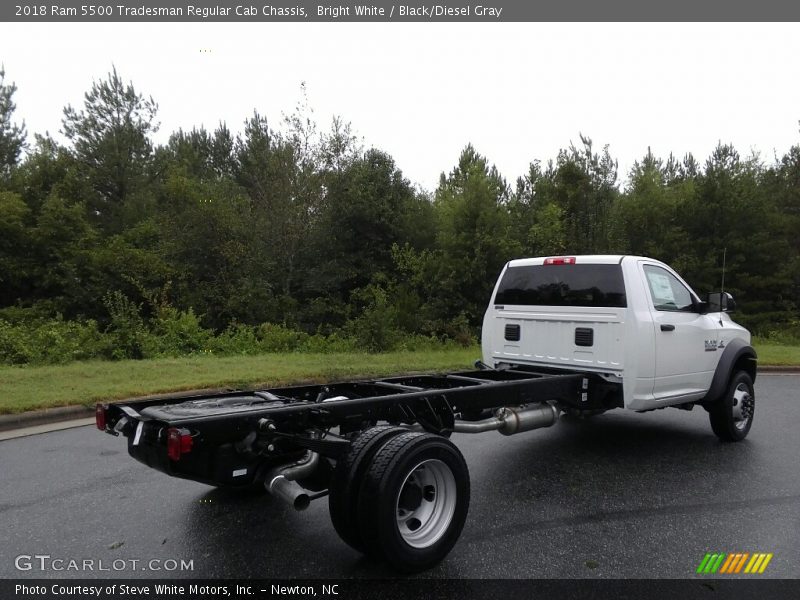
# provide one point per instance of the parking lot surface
(621, 495)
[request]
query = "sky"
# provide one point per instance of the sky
(517, 91)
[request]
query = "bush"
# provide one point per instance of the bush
(31, 339)
(52, 341)
(376, 328)
(459, 331)
(423, 343)
(777, 326)
(279, 338)
(127, 328)
(373, 332)
(788, 335)
(12, 349)
(236, 339)
(267, 337)
(335, 342)
(175, 333)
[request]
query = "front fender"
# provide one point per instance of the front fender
(738, 355)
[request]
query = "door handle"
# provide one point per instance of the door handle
(668, 328)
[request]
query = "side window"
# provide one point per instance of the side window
(667, 292)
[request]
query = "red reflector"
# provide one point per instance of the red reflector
(560, 260)
(100, 416)
(179, 441)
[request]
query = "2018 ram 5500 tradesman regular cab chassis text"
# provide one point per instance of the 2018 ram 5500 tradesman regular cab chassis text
(570, 334)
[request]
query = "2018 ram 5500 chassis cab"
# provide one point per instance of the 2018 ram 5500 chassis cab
(634, 323)
(574, 334)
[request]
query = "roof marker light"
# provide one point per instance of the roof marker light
(560, 260)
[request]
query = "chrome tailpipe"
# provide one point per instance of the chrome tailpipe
(289, 491)
(511, 420)
(280, 482)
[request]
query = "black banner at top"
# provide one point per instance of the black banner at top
(454, 11)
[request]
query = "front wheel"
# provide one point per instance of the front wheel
(414, 501)
(732, 415)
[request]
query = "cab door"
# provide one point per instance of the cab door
(686, 341)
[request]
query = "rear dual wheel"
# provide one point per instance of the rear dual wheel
(347, 478)
(412, 501)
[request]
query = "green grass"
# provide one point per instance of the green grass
(30, 388)
(770, 353)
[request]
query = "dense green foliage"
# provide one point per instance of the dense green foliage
(288, 238)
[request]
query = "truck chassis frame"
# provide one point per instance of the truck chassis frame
(327, 437)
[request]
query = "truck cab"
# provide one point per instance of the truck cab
(630, 320)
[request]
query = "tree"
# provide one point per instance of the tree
(64, 274)
(585, 188)
(566, 207)
(110, 140)
(648, 218)
(12, 136)
(202, 155)
(786, 190)
(537, 220)
(734, 213)
(473, 241)
(278, 180)
(362, 215)
(15, 263)
(210, 241)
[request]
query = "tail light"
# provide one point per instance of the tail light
(560, 260)
(100, 416)
(179, 442)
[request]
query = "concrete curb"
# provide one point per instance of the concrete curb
(68, 413)
(41, 417)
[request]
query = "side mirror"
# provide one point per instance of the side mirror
(720, 302)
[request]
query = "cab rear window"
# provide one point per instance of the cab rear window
(563, 285)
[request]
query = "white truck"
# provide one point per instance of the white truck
(635, 323)
(566, 334)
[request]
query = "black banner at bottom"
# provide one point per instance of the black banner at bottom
(396, 589)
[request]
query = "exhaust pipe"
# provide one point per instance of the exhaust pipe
(492, 424)
(509, 421)
(517, 420)
(289, 491)
(280, 482)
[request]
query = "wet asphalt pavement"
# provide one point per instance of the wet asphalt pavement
(622, 495)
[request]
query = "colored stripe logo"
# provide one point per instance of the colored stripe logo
(734, 562)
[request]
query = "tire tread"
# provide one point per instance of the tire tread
(719, 413)
(345, 484)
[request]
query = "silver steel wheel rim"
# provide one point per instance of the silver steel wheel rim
(434, 485)
(742, 408)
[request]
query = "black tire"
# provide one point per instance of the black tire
(731, 415)
(347, 478)
(428, 474)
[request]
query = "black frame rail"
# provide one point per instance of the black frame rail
(431, 401)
